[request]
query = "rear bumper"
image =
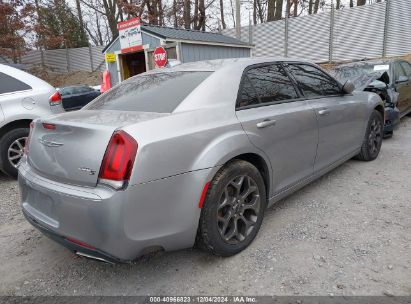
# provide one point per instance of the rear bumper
(121, 225)
(95, 253)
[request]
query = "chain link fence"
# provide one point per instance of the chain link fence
(377, 30)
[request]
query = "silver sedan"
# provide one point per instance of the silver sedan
(191, 155)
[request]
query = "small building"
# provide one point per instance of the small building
(179, 44)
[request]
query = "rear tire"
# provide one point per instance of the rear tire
(11, 150)
(373, 138)
(233, 209)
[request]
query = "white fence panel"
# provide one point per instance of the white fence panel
(359, 32)
(65, 60)
(309, 37)
(31, 58)
(399, 28)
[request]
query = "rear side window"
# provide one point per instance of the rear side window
(266, 84)
(10, 84)
(159, 92)
(248, 95)
(313, 82)
(398, 71)
(80, 90)
(406, 67)
(66, 91)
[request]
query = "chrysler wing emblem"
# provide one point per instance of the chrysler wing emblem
(49, 143)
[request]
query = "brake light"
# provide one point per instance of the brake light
(26, 144)
(118, 160)
(55, 99)
(49, 126)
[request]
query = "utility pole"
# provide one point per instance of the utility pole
(237, 19)
(287, 14)
(332, 18)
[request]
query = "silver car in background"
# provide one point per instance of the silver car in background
(23, 97)
(191, 154)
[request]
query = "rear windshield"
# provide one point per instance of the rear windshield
(160, 92)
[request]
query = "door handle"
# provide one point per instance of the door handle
(324, 112)
(266, 123)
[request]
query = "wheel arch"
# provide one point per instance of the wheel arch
(380, 109)
(257, 160)
(20, 123)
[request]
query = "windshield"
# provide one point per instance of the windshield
(159, 92)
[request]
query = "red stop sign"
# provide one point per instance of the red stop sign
(160, 57)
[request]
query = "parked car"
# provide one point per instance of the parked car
(77, 96)
(388, 78)
(23, 97)
(194, 151)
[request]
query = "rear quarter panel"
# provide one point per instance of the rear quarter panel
(28, 104)
(188, 141)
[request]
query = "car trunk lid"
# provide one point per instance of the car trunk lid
(69, 148)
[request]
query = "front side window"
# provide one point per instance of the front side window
(10, 84)
(313, 82)
(158, 92)
(266, 84)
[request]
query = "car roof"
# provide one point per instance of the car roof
(216, 64)
(25, 77)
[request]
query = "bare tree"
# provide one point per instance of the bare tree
(310, 6)
(271, 10)
(187, 14)
(80, 18)
(109, 9)
(223, 24)
(316, 6)
(295, 8)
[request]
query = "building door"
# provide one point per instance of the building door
(132, 64)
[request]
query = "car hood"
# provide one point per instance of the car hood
(360, 80)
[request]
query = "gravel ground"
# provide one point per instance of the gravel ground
(348, 233)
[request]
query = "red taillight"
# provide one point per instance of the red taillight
(55, 99)
(80, 243)
(118, 160)
(26, 144)
(49, 126)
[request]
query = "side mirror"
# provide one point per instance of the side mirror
(402, 79)
(348, 87)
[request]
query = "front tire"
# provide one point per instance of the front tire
(373, 138)
(11, 150)
(233, 209)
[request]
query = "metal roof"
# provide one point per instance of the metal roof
(190, 35)
(177, 34)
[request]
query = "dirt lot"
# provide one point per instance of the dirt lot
(67, 79)
(348, 233)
